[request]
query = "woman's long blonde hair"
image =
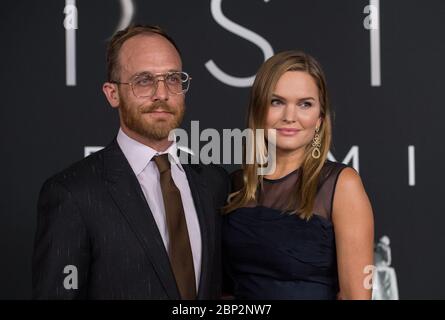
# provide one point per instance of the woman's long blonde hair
(260, 96)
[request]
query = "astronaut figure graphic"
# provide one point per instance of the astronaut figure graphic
(384, 278)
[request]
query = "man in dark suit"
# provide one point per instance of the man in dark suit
(131, 221)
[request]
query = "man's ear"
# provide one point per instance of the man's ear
(112, 94)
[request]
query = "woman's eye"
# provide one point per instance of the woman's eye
(276, 102)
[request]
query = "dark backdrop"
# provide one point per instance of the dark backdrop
(46, 125)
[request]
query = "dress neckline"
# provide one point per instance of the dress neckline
(283, 177)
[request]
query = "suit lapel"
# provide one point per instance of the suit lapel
(204, 209)
(128, 196)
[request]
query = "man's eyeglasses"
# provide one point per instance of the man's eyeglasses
(145, 85)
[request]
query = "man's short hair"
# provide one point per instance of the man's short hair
(119, 39)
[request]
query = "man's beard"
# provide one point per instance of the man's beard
(153, 129)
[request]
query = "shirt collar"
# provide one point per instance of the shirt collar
(139, 155)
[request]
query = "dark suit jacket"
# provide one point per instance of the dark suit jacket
(94, 216)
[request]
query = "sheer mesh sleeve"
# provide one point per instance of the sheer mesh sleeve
(326, 188)
(277, 193)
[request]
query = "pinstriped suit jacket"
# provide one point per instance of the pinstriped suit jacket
(94, 216)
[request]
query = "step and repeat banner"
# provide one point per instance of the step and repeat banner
(384, 62)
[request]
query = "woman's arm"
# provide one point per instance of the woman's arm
(354, 235)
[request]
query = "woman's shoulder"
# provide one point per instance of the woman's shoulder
(349, 177)
(332, 165)
(331, 170)
(333, 177)
(343, 177)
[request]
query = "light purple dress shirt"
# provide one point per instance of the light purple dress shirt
(139, 156)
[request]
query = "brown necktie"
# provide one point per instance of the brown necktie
(180, 251)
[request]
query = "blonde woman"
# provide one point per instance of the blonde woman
(306, 230)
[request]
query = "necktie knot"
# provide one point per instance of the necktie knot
(162, 162)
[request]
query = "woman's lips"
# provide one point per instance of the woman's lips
(288, 131)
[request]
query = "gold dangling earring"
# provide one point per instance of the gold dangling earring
(316, 144)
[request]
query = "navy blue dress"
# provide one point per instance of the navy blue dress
(271, 254)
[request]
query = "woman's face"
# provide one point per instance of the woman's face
(294, 111)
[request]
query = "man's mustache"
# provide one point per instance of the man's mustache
(158, 106)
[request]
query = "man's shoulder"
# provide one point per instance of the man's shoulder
(214, 176)
(82, 172)
(214, 172)
(217, 171)
(217, 181)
